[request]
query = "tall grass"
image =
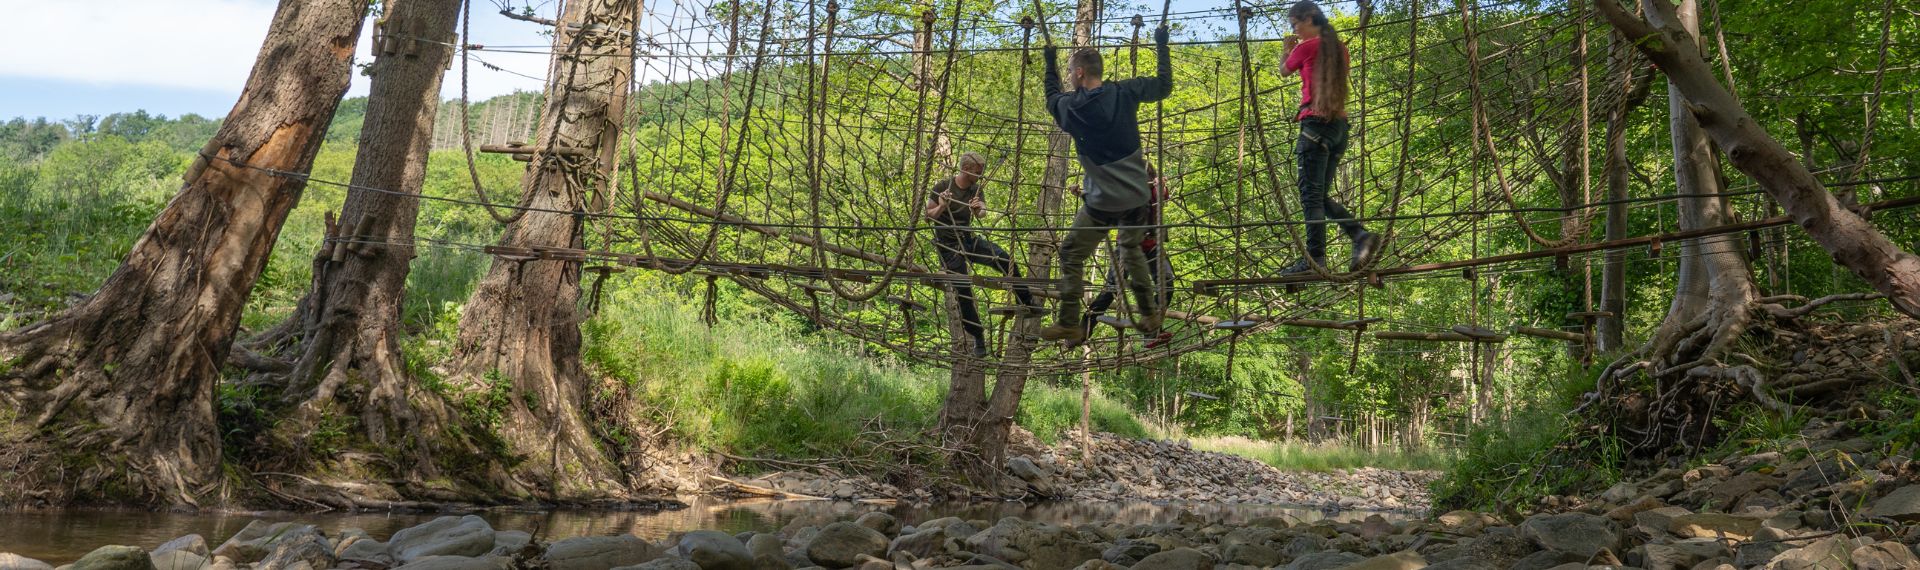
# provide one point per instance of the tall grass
(1301, 456)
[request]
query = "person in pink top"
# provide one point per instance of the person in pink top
(1314, 51)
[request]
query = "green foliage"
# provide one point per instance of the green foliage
(1537, 452)
(486, 404)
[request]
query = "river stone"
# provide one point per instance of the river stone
(840, 545)
(1902, 505)
(1680, 555)
(1098, 565)
(1830, 553)
(879, 521)
(1252, 555)
(713, 550)
(509, 542)
(1176, 559)
(1395, 561)
(597, 552)
(17, 562)
(1885, 556)
(1714, 525)
(1655, 522)
(1325, 560)
(445, 536)
(113, 558)
(176, 560)
(764, 544)
(921, 544)
(1128, 552)
(191, 543)
(663, 563)
(371, 550)
(458, 563)
(256, 540)
(1546, 559)
(1024, 468)
(1752, 554)
(1577, 533)
(302, 548)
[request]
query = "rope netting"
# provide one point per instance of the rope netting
(789, 146)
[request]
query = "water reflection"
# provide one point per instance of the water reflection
(62, 536)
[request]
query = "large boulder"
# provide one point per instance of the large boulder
(1127, 551)
(510, 542)
(255, 541)
(598, 552)
(1252, 554)
(1176, 559)
(369, 550)
(9, 561)
(445, 536)
(1024, 468)
(714, 550)
(176, 560)
(1576, 533)
(1830, 553)
(113, 558)
(841, 544)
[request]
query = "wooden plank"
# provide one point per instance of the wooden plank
(1236, 325)
(1590, 314)
(1479, 333)
(1427, 336)
(516, 148)
(1551, 333)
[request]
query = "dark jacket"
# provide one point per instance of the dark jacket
(1105, 126)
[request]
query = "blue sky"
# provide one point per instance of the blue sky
(74, 57)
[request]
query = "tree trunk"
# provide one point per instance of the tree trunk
(347, 328)
(1850, 239)
(127, 377)
(1611, 330)
(977, 424)
(520, 331)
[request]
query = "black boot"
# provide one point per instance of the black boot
(1301, 267)
(1365, 247)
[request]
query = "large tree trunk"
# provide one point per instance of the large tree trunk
(126, 378)
(1853, 242)
(971, 421)
(520, 331)
(1611, 329)
(346, 332)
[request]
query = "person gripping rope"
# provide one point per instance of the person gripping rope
(1315, 52)
(952, 204)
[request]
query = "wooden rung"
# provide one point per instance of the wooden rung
(1551, 333)
(1004, 310)
(1590, 315)
(1361, 324)
(814, 287)
(1113, 321)
(1318, 324)
(906, 303)
(518, 148)
(753, 272)
(1202, 395)
(1479, 333)
(1235, 325)
(1428, 336)
(507, 250)
(1203, 289)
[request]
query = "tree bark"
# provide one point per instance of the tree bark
(126, 378)
(520, 331)
(977, 424)
(1611, 330)
(346, 331)
(1851, 240)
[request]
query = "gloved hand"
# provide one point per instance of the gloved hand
(1049, 52)
(1160, 35)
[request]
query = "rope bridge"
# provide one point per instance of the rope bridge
(788, 146)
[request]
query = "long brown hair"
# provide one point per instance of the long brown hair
(1330, 67)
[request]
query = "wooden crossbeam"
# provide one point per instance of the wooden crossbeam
(1551, 333)
(1432, 336)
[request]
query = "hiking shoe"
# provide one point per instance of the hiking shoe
(1301, 267)
(1157, 340)
(980, 349)
(1086, 324)
(1150, 324)
(1364, 248)
(1071, 334)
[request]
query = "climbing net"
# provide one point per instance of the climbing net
(788, 146)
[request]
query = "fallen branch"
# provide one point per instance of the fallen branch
(759, 491)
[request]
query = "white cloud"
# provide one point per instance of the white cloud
(192, 44)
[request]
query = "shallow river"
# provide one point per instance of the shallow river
(62, 536)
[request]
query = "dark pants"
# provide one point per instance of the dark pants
(1080, 244)
(959, 250)
(1322, 142)
(1162, 281)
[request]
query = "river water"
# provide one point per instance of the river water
(59, 537)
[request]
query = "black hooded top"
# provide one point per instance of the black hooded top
(1105, 127)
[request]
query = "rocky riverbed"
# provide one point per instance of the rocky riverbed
(1124, 469)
